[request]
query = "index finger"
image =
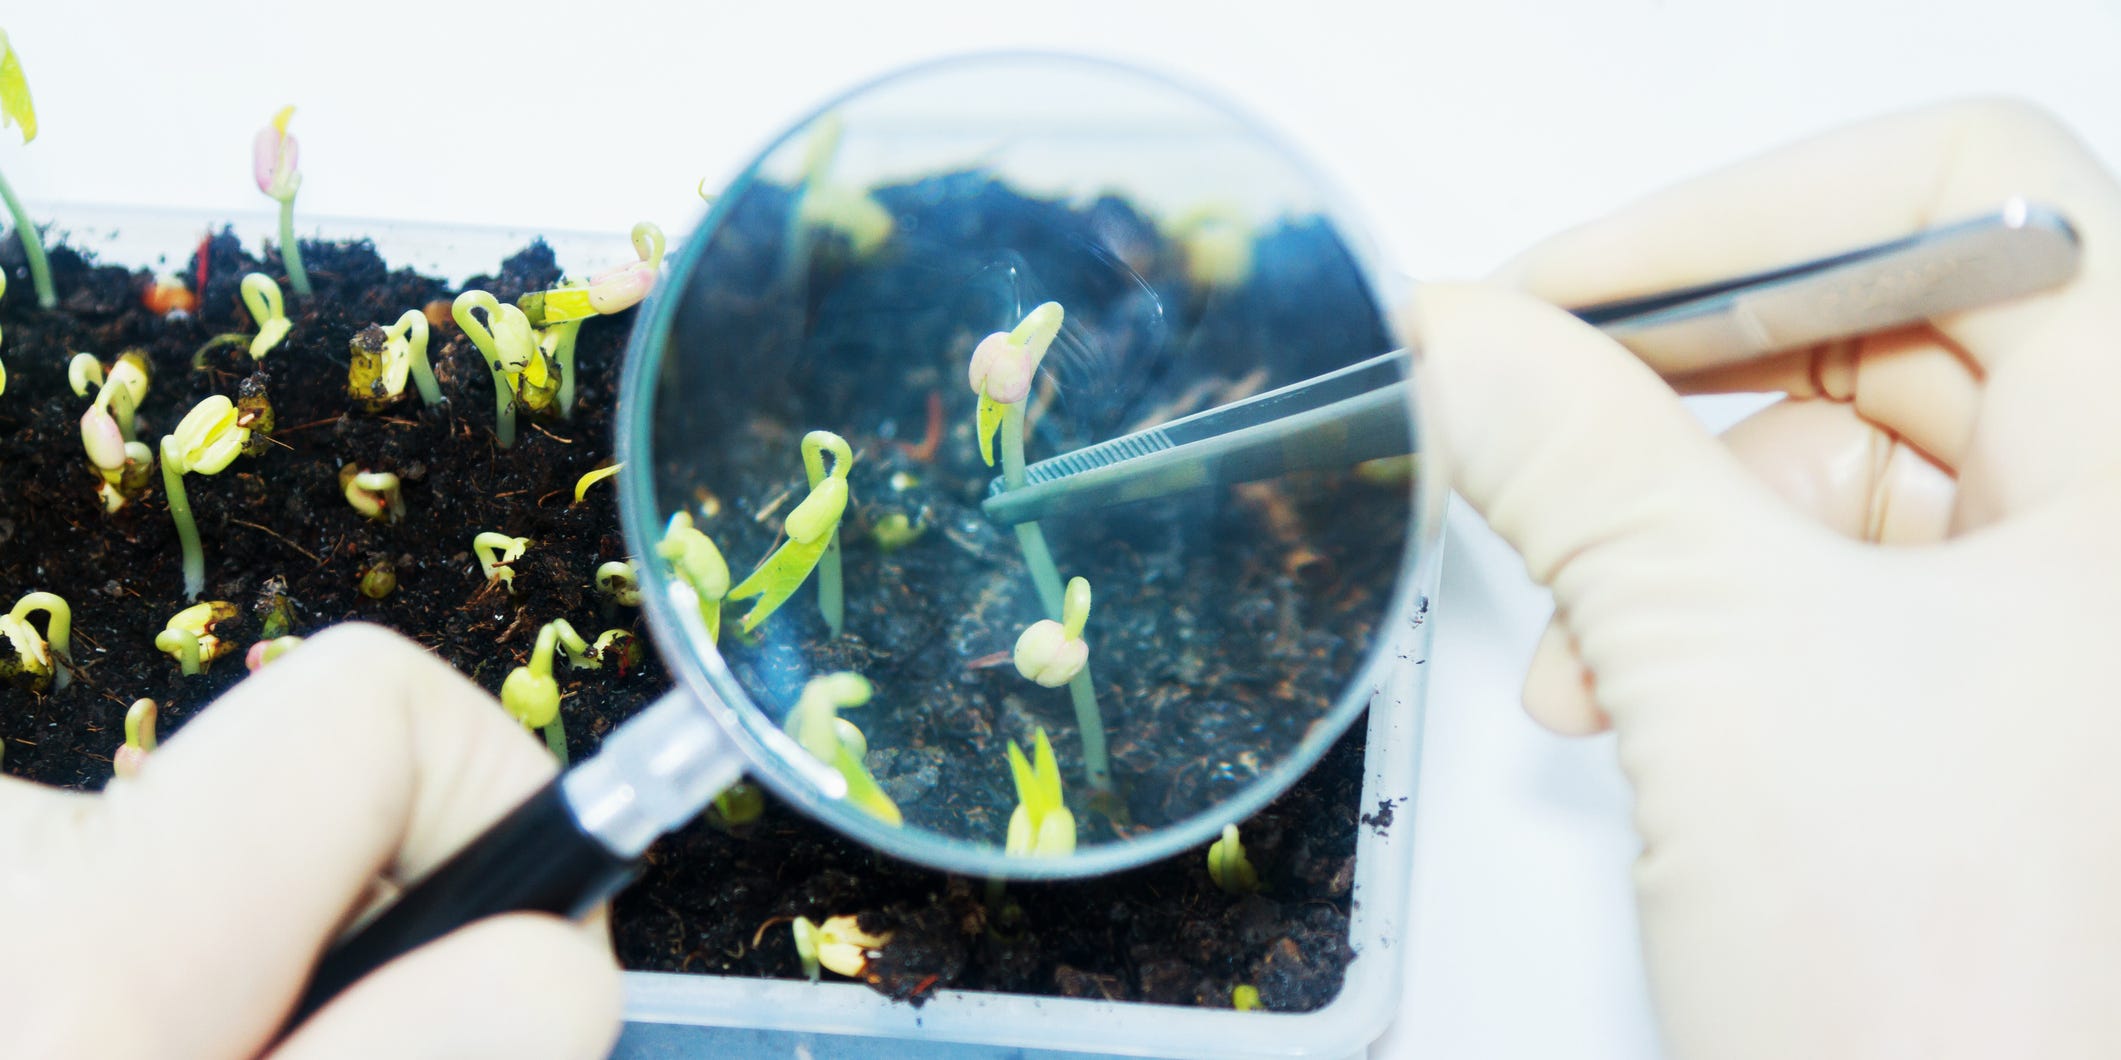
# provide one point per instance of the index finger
(1868, 183)
(2034, 377)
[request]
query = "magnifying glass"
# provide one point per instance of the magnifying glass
(1020, 470)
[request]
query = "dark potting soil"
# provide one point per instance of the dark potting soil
(280, 537)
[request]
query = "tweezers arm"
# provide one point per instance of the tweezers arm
(1325, 423)
(2018, 250)
(1331, 437)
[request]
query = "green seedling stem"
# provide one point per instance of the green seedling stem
(185, 647)
(17, 109)
(412, 325)
(187, 530)
(563, 355)
(830, 599)
(209, 437)
(40, 272)
(508, 345)
(291, 249)
(1029, 537)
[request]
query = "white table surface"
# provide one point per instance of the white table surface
(1463, 129)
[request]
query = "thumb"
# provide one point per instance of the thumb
(1571, 448)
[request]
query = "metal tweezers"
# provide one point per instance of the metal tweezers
(1362, 412)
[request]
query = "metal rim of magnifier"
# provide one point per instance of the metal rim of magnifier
(775, 759)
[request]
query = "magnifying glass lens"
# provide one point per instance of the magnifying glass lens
(950, 286)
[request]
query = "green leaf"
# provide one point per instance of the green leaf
(863, 790)
(15, 106)
(990, 420)
(1047, 772)
(777, 579)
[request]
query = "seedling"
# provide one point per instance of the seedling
(1244, 997)
(618, 647)
(189, 637)
(17, 110)
(205, 442)
(556, 345)
(1228, 866)
(495, 553)
(1041, 826)
(1003, 366)
(838, 944)
(39, 661)
(1002, 369)
(384, 358)
(531, 693)
(265, 651)
(254, 412)
(813, 540)
(619, 581)
(107, 428)
(128, 373)
(139, 738)
(611, 291)
(738, 804)
(276, 613)
(896, 530)
(274, 155)
(379, 579)
(824, 204)
(372, 493)
(508, 346)
(815, 723)
(1053, 653)
(562, 310)
(696, 562)
(1216, 242)
(591, 478)
(262, 297)
(538, 384)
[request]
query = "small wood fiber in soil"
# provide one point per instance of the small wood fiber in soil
(279, 536)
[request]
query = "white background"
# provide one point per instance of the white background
(1463, 130)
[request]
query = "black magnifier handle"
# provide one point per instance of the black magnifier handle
(539, 858)
(565, 849)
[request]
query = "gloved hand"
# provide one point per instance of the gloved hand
(177, 914)
(1861, 654)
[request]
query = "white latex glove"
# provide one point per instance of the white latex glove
(1861, 655)
(178, 913)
